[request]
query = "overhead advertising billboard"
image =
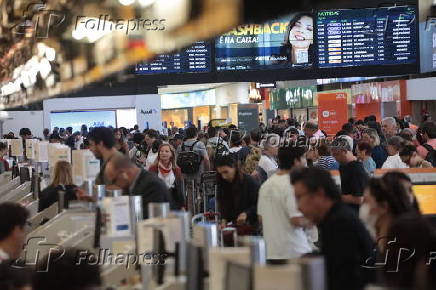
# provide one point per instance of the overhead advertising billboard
(286, 42)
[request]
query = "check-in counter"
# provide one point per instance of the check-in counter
(5, 177)
(10, 185)
(17, 194)
(64, 229)
(417, 175)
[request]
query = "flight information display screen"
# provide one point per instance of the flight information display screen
(281, 43)
(372, 36)
(195, 59)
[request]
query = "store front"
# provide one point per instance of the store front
(382, 99)
(422, 95)
(201, 107)
(298, 103)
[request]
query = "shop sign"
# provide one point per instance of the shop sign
(248, 116)
(332, 111)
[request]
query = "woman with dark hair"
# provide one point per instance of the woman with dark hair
(235, 142)
(364, 152)
(384, 202)
(395, 178)
(298, 42)
(120, 143)
(237, 193)
(410, 262)
(84, 130)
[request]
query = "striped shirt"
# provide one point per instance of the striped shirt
(327, 163)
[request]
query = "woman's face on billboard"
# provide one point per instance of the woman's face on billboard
(301, 34)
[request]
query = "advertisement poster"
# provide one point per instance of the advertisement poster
(332, 111)
(78, 118)
(282, 43)
(297, 98)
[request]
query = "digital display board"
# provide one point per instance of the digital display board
(372, 36)
(283, 43)
(88, 118)
(426, 197)
(194, 59)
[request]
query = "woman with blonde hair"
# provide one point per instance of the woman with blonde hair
(167, 170)
(62, 181)
(379, 153)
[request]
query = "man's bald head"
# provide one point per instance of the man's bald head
(120, 171)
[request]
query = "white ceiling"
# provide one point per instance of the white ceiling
(173, 89)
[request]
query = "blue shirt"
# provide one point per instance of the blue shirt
(369, 165)
(379, 154)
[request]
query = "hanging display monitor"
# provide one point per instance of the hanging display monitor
(195, 59)
(76, 119)
(371, 36)
(282, 43)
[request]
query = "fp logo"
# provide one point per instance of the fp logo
(38, 21)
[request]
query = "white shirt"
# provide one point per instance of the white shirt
(169, 179)
(235, 149)
(277, 206)
(151, 158)
(215, 140)
(3, 256)
(394, 162)
(268, 164)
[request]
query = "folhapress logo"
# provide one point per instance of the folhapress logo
(39, 20)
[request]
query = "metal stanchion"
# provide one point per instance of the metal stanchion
(158, 209)
(257, 248)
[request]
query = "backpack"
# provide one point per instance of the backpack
(189, 161)
(431, 155)
(220, 149)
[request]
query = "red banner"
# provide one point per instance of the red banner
(332, 111)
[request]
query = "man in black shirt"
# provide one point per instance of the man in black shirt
(345, 243)
(353, 175)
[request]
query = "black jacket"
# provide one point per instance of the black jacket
(346, 246)
(151, 188)
(50, 195)
(238, 197)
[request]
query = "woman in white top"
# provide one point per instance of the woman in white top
(394, 161)
(268, 162)
(167, 170)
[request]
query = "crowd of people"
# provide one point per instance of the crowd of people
(273, 181)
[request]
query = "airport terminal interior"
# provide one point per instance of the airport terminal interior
(217, 145)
